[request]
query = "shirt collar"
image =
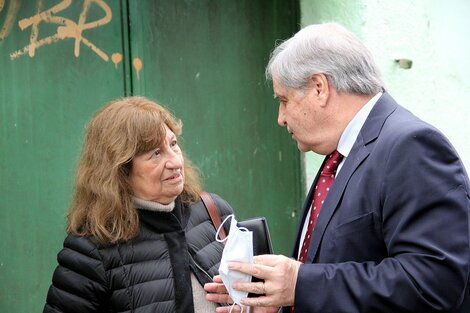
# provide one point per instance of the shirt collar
(350, 133)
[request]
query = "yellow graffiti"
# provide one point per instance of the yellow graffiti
(66, 29)
(10, 17)
(116, 58)
(138, 66)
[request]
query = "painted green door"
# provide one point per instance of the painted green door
(61, 60)
(56, 69)
(205, 60)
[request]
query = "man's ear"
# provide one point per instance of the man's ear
(320, 87)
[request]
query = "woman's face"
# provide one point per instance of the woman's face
(158, 175)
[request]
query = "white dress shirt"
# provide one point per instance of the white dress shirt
(346, 142)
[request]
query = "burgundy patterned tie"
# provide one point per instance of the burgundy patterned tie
(324, 182)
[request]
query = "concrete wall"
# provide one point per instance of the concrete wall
(431, 33)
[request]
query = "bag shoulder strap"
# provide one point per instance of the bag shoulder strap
(213, 213)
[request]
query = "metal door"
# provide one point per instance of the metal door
(205, 60)
(60, 60)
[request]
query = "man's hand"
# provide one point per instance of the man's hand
(279, 274)
(218, 293)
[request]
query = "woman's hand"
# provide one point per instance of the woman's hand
(218, 293)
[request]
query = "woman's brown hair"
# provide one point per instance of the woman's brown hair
(102, 202)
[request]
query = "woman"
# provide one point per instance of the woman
(139, 238)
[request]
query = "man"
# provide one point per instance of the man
(392, 234)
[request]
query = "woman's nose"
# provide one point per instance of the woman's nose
(175, 160)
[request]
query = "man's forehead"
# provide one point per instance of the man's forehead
(279, 91)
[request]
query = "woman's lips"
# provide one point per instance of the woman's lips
(174, 176)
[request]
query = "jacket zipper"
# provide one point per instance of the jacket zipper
(207, 274)
(199, 267)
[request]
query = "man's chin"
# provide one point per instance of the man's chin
(302, 147)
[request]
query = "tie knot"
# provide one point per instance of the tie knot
(331, 162)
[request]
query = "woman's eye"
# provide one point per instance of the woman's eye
(173, 143)
(156, 152)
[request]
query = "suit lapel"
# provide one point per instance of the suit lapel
(359, 152)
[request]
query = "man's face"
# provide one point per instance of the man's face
(304, 114)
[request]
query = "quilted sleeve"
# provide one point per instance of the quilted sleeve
(79, 281)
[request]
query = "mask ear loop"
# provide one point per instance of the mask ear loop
(241, 306)
(218, 229)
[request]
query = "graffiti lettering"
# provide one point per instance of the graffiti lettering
(66, 29)
(9, 17)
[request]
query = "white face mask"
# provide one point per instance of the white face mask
(239, 247)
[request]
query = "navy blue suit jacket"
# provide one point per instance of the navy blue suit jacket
(393, 232)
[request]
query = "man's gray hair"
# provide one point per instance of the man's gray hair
(329, 49)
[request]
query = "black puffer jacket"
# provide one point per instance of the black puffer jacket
(150, 273)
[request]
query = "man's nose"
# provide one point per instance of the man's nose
(280, 117)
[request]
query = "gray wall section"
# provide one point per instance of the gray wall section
(434, 35)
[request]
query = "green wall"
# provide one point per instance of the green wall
(213, 79)
(47, 94)
(203, 59)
